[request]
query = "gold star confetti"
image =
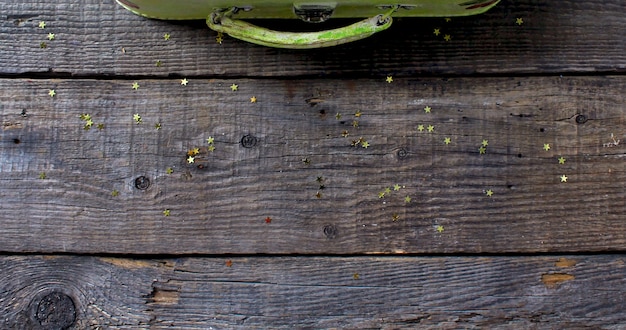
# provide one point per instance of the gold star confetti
(318, 195)
(389, 79)
(195, 151)
(234, 87)
(338, 116)
(427, 109)
(115, 193)
(169, 170)
(344, 134)
(448, 19)
(137, 118)
(219, 38)
(135, 86)
(546, 146)
(42, 175)
(440, 228)
(253, 99)
(51, 36)
(431, 128)
(100, 126)
(563, 178)
(437, 32)
(184, 81)
(387, 190)
(357, 114)
(447, 140)
(166, 212)
(355, 123)
(407, 199)
(42, 25)
(420, 127)
(43, 45)
(191, 159)
(365, 144)
(85, 116)
(159, 63)
(489, 192)
(355, 276)
(166, 36)
(89, 123)
(210, 140)
(381, 194)
(519, 21)
(211, 148)
(482, 150)
(485, 143)
(157, 126)
(561, 160)
(395, 217)
(52, 93)
(447, 37)
(396, 187)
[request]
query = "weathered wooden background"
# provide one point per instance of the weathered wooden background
(323, 204)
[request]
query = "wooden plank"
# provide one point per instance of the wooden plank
(101, 38)
(315, 292)
(219, 204)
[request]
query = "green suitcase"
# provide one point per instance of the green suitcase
(225, 16)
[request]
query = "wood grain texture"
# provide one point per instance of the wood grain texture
(219, 204)
(98, 37)
(320, 292)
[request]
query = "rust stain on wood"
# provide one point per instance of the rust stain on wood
(564, 262)
(10, 125)
(164, 297)
(127, 263)
(556, 278)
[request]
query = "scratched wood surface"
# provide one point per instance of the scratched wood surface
(98, 37)
(321, 193)
(547, 292)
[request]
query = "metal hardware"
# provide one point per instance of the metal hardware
(314, 13)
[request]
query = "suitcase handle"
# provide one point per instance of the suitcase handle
(221, 22)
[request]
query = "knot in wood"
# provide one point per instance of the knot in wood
(248, 141)
(142, 183)
(402, 153)
(56, 311)
(581, 119)
(330, 231)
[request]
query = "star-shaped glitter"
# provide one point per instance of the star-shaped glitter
(166, 212)
(546, 146)
(159, 63)
(195, 151)
(135, 86)
(440, 228)
(447, 140)
(358, 113)
(42, 175)
(211, 148)
(166, 36)
(345, 134)
(253, 99)
(43, 45)
(365, 144)
(51, 36)
(427, 109)
(85, 116)
(268, 220)
(157, 126)
(395, 217)
(407, 199)
(210, 140)
(52, 93)
(42, 25)
(437, 32)
(489, 192)
(355, 123)
(219, 38)
(355, 276)
(229, 263)
(234, 87)
(381, 194)
(482, 150)
(137, 118)
(448, 19)
(519, 21)
(100, 126)
(89, 122)
(169, 170)
(447, 37)
(190, 160)
(430, 128)
(485, 143)
(420, 127)
(396, 187)
(338, 116)
(184, 81)
(115, 193)
(563, 178)
(387, 190)
(389, 79)
(561, 160)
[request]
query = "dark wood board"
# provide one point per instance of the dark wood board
(219, 204)
(543, 292)
(99, 37)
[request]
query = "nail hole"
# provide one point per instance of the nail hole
(56, 311)
(248, 141)
(519, 155)
(16, 141)
(142, 183)
(542, 130)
